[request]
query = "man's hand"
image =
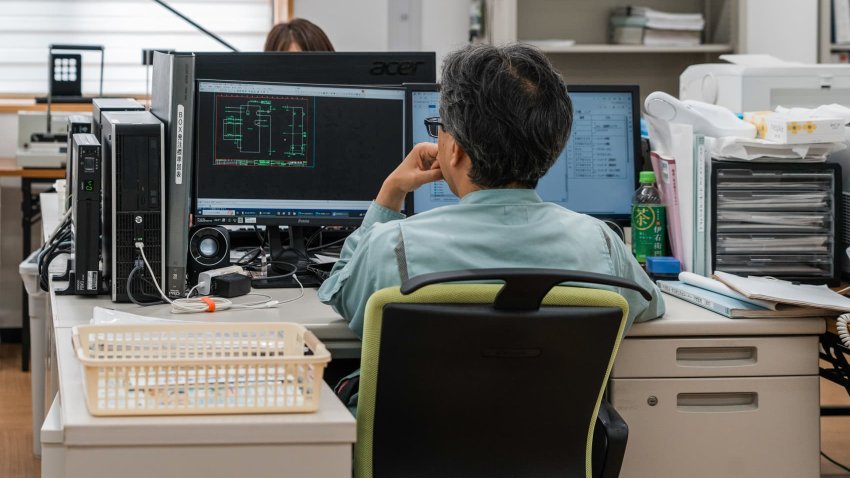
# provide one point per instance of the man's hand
(418, 168)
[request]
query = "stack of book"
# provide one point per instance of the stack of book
(752, 297)
(645, 26)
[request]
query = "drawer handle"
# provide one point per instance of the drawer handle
(717, 402)
(716, 356)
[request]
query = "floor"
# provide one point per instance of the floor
(16, 458)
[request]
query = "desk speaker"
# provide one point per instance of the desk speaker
(209, 248)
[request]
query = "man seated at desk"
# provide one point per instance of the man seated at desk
(505, 115)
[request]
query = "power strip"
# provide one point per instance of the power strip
(205, 278)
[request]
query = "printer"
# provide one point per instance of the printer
(38, 148)
(763, 82)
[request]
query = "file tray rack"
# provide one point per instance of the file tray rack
(777, 219)
(196, 369)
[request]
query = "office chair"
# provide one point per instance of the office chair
(491, 380)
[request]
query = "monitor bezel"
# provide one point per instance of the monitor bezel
(620, 219)
(198, 219)
(411, 88)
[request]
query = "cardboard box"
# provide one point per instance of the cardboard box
(786, 129)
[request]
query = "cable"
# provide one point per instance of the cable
(326, 246)
(63, 221)
(828, 458)
(211, 304)
(841, 325)
(617, 229)
(130, 288)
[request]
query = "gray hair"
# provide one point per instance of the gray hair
(509, 109)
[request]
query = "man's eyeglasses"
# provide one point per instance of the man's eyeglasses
(431, 124)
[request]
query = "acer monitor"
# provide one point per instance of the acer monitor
(273, 154)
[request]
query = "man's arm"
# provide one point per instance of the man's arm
(627, 267)
(351, 280)
(360, 271)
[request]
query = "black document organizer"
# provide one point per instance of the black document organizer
(777, 219)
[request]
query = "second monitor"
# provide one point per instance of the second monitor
(596, 174)
(294, 155)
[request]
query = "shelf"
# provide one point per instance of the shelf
(587, 48)
(839, 47)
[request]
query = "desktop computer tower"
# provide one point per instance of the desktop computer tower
(77, 123)
(85, 213)
(102, 105)
(133, 202)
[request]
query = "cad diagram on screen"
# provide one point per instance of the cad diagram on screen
(263, 131)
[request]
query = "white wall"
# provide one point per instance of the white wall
(445, 27)
(381, 25)
(786, 29)
(359, 25)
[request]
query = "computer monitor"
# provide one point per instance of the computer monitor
(292, 154)
(597, 172)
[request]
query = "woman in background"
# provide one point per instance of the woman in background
(297, 35)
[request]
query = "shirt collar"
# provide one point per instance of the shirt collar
(501, 196)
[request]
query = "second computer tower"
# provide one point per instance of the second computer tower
(133, 203)
(85, 192)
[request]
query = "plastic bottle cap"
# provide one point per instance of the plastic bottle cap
(646, 177)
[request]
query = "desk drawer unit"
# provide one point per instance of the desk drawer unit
(719, 406)
(720, 427)
(717, 357)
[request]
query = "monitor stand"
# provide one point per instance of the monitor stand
(295, 253)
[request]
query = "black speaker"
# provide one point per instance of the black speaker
(209, 248)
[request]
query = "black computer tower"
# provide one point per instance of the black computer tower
(133, 202)
(77, 123)
(85, 194)
(102, 105)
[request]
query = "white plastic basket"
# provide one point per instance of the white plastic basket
(193, 369)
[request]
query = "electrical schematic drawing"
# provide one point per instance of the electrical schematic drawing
(264, 131)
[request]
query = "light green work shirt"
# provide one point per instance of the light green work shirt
(488, 228)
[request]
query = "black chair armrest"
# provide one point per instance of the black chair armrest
(616, 435)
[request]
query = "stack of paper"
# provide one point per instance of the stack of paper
(716, 296)
(763, 150)
(785, 292)
(656, 28)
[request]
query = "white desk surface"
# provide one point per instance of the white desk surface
(70, 310)
(333, 423)
(684, 319)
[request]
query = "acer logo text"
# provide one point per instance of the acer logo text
(393, 68)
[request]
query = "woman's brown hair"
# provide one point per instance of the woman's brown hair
(299, 31)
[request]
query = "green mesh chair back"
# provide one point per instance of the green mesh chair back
(486, 380)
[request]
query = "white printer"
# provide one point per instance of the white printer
(763, 82)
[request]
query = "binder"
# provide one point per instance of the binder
(700, 211)
(665, 173)
(682, 150)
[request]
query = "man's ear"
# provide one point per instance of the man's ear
(457, 154)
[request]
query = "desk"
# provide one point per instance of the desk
(763, 371)
(318, 444)
(28, 210)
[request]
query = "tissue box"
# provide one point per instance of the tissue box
(786, 129)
